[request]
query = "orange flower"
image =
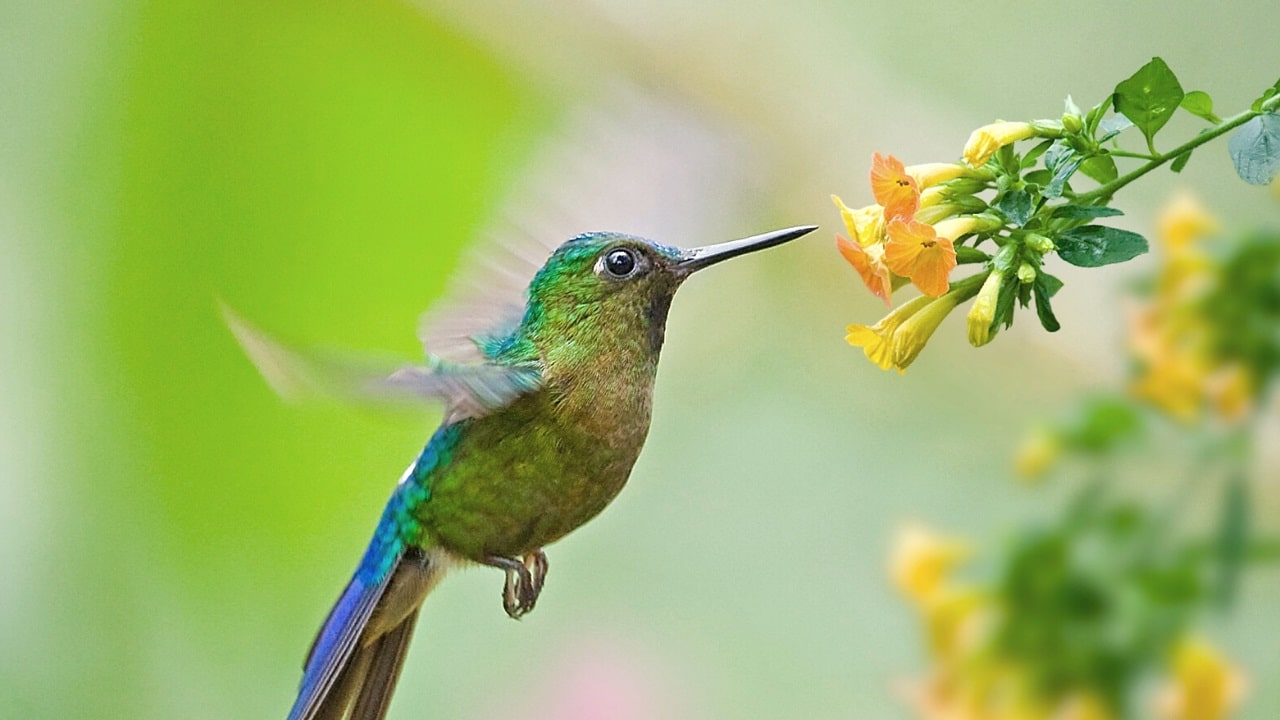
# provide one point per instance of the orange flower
(916, 251)
(870, 265)
(893, 187)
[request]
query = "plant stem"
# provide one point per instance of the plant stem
(1104, 193)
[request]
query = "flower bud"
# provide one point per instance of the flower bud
(1039, 243)
(1072, 123)
(986, 140)
(1026, 274)
(983, 312)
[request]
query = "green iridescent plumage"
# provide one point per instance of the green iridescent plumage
(540, 434)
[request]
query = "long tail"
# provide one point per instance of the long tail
(356, 658)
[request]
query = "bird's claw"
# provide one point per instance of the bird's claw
(524, 581)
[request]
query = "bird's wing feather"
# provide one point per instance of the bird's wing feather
(383, 670)
(486, 298)
(335, 645)
(467, 390)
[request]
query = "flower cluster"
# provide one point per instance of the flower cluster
(909, 235)
(1020, 201)
(1178, 348)
(1031, 646)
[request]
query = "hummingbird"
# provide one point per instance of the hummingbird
(539, 434)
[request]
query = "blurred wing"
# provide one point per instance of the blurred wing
(630, 162)
(466, 390)
(486, 300)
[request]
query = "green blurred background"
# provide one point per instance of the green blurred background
(173, 533)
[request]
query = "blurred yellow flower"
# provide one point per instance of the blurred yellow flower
(922, 560)
(954, 619)
(1173, 383)
(1084, 706)
(986, 140)
(1204, 686)
(1231, 390)
(1183, 221)
(1039, 451)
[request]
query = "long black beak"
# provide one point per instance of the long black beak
(701, 257)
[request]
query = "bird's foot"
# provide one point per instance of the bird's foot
(524, 581)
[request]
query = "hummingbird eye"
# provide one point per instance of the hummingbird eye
(619, 263)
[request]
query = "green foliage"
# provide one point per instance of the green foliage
(1095, 600)
(1198, 103)
(1102, 424)
(1149, 98)
(1255, 149)
(1233, 539)
(1045, 286)
(1098, 245)
(1247, 300)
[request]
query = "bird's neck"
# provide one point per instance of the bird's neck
(600, 367)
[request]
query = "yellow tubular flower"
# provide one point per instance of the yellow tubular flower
(922, 560)
(865, 225)
(986, 140)
(931, 197)
(911, 338)
(953, 228)
(983, 312)
(876, 340)
(930, 174)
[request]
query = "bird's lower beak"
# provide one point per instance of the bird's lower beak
(701, 257)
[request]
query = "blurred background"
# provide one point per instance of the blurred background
(173, 533)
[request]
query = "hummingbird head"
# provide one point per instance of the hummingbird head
(613, 290)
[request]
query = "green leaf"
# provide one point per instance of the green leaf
(1100, 168)
(1038, 178)
(1050, 283)
(1015, 206)
(1069, 107)
(1255, 149)
(1062, 160)
(1044, 310)
(1007, 259)
(1198, 103)
(1233, 539)
(966, 255)
(1112, 127)
(1149, 97)
(1084, 212)
(1004, 304)
(1266, 95)
(1098, 245)
(1103, 422)
(1180, 162)
(1029, 159)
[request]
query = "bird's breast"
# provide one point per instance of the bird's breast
(535, 470)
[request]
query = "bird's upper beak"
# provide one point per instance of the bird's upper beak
(698, 258)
